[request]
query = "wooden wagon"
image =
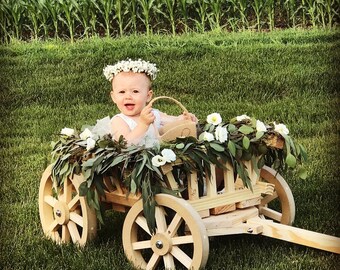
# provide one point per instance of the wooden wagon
(185, 223)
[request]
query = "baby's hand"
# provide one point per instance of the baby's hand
(146, 116)
(189, 116)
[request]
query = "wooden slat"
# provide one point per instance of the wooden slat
(223, 199)
(211, 182)
(193, 191)
(229, 178)
(223, 209)
(122, 199)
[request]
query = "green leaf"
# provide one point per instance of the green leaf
(180, 146)
(246, 129)
(232, 148)
(83, 189)
(217, 147)
(133, 186)
(246, 142)
(261, 162)
(231, 128)
(259, 135)
(291, 160)
(302, 173)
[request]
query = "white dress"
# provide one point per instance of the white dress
(150, 139)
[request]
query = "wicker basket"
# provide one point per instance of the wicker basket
(179, 128)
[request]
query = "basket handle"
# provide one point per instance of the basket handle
(172, 99)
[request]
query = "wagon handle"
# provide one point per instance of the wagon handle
(172, 99)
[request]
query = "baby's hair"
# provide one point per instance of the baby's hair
(136, 66)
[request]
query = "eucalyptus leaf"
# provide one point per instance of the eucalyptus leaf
(302, 173)
(232, 128)
(83, 189)
(246, 129)
(217, 147)
(232, 148)
(259, 135)
(133, 186)
(245, 142)
(291, 160)
(180, 146)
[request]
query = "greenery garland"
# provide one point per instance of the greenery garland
(139, 168)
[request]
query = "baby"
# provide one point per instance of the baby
(131, 91)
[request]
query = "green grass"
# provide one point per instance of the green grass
(288, 76)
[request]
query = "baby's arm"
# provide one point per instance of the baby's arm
(165, 119)
(119, 127)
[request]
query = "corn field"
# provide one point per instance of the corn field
(74, 19)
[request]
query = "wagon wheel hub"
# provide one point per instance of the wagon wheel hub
(61, 213)
(161, 243)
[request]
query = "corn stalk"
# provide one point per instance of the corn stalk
(202, 12)
(258, 6)
(53, 11)
(170, 14)
(270, 8)
(105, 8)
(215, 14)
(69, 14)
(14, 11)
(241, 7)
(183, 5)
(312, 11)
(86, 15)
(145, 17)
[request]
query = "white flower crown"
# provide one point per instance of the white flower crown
(136, 66)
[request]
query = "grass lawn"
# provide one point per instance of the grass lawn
(289, 76)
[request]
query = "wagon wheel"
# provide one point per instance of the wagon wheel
(65, 216)
(180, 238)
(280, 206)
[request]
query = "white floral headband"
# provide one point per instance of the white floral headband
(137, 66)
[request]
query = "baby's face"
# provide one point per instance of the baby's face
(130, 92)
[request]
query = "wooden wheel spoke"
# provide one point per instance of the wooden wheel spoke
(50, 200)
(141, 245)
(73, 203)
(267, 199)
(65, 234)
(180, 240)
(56, 237)
(141, 221)
(160, 220)
(270, 213)
(77, 219)
(174, 225)
(53, 226)
(72, 227)
(168, 261)
(153, 261)
(181, 256)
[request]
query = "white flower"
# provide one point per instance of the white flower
(206, 136)
(281, 128)
(67, 131)
(214, 118)
(260, 126)
(85, 134)
(221, 134)
(158, 160)
(169, 155)
(242, 117)
(91, 143)
(138, 66)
